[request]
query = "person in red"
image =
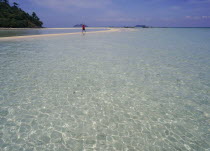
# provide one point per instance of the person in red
(83, 28)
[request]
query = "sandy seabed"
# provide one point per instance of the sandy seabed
(145, 90)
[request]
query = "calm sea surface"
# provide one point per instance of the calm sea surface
(143, 90)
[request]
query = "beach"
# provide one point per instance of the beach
(35, 35)
(114, 89)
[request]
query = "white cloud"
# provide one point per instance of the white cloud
(205, 17)
(175, 8)
(197, 17)
(118, 19)
(72, 3)
(199, 1)
(125, 19)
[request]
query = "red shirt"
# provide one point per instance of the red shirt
(83, 27)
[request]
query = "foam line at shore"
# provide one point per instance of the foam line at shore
(61, 34)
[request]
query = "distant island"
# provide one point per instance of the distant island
(137, 26)
(15, 17)
(79, 25)
(141, 26)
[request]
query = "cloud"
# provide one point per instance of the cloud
(197, 17)
(72, 3)
(118, 19)
(175, 8)
(125, 19)
(199, 1)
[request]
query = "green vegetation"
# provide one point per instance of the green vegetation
(15, 17)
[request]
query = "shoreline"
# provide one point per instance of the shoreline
(53, 28)
(61, 34)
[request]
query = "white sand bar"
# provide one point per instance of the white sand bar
(61, 34)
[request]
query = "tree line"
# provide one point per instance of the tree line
(15, 17)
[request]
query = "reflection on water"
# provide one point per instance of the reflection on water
(143, 90)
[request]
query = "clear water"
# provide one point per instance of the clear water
(146, 90)
(24, 32)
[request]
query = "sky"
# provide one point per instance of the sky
(98, 13)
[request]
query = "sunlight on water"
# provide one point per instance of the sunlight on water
(147, 89)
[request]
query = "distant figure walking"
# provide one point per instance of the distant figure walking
(83, 28)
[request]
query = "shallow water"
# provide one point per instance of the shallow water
(25, 32)
(147, 89)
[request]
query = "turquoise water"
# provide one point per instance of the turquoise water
(147, 89)
(25, 32)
